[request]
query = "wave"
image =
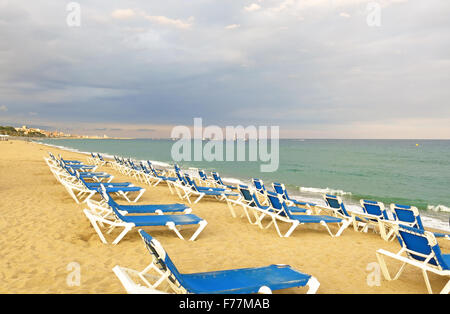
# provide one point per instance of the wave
(324, 191)
(439, 208)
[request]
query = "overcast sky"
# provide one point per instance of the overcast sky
(316, 68)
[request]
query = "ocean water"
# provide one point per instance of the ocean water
(410, 172)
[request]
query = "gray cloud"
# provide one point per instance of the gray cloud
(297, 66)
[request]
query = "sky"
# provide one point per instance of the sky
(315, 68)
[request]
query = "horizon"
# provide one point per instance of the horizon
(342, 69)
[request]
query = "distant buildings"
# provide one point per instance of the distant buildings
(36, 132)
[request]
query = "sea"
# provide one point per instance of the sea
(409, 172)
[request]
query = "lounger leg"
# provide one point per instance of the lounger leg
(139, 196)
(127, 228)
(199, 198)
(383, 266)
(94, 224)
(202, 226)
(89, 196)
(73, 195)
(172, 227)
(323, 223)
(427, 281)
(313, 285)
(446, 289)
(295, 223)
(230, 207)
(344, 226)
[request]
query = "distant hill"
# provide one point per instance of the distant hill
(11, 131)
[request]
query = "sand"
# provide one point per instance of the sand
(44, 234)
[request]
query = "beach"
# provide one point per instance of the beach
(44, 233)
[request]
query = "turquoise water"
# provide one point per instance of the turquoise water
(391, 171)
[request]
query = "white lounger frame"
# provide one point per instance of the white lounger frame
(99, 220)
(423, 266)
(163, 277)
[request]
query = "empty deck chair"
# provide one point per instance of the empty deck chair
(410, 216)
(159, 176)
(145, 209)
(203, 177)
(122, 189)
(218, 181)
(246, 202)
(244, 280)
(376, 216)
(419, 249)
(286, 215)
(173, 222)
(336, 205)
(280, 189)
(201, 191)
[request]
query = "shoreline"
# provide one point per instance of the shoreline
(432, 220)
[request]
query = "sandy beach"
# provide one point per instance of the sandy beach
(43, 231)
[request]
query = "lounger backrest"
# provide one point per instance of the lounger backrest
(336, 203)
(180, 177)
(286, 211)
(177, 168)
(217, 178)
(274, 200)
(280, 189)
(373, 208)
(245, 192)
(257, 203)
(259, 185)
(190, 182)
(202, 175)
(421, 245)
(160, 257)
(104, 194)
(408, 215)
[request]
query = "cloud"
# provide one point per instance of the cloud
(232, 26)
(163, 20)
(130, 65)
(252, 7)
(123, 13)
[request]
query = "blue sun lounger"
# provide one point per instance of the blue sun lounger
(259, 186)
(375, 215)
(219, 182)
(280, 188)
(145, 209)
(410, 216)
(233, 281)
(159, 177)
(171, 221)
(120, 188)
(201, 191)
(299, 219)
(420, 249)
(246, 202)
(336, 204)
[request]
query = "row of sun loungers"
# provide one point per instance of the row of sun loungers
(82, 183)
(260, 207)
